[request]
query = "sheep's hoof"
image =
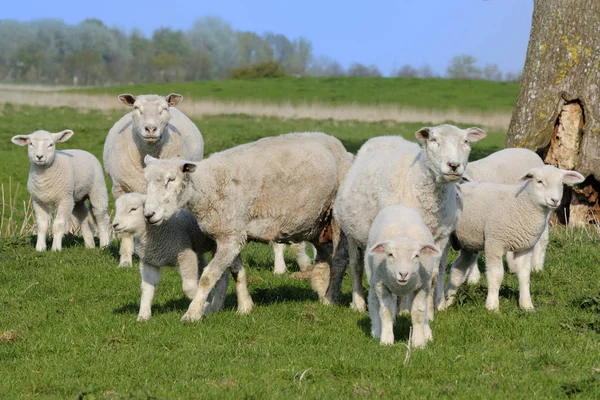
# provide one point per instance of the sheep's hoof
(56, 248)
(418, 343)
(144, 318)
(279, 271)
(40, 248)
(125, 264)
(492, 307)
(245, 309)
(189, 317)
(528, 308)
(358, 304)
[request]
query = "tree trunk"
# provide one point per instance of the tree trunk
(558, 109)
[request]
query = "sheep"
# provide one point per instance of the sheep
(64, 180)
(154, 127)
(299, 249)
(400, 261)
(178, 242)
(498, 218)
(391, 170)
(277, 189)
(507, 166)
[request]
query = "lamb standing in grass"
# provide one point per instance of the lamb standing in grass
(277, 189)
(64, 180)
(154, 127)
(400, 261)
(391, 170)
(178, 242)
(498, 218)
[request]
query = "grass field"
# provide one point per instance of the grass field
(68, 320)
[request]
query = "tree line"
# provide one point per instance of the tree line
(91, 53)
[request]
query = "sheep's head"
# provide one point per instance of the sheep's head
(129, 213)
(150, 113)
(401, 259)
(446, 149)
(41, 145)
(167, 187)
(545, 184)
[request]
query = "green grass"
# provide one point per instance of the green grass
(405, 92)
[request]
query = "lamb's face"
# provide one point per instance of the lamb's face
(129, 213)
(446, 149)
(41, 145)
(167, 182)
(546, 184)
(150, 114)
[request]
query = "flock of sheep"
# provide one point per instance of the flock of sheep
(393, 210)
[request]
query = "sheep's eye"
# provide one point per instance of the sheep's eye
(433, 140)
(133, 209)
(169, 180)
(417, 255)
(390, 255)
(466, 141)
(540, 182)
(51, 145)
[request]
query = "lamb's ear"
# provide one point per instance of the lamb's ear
(62, 136)
(148, 159)
(528, 176)
(572, 177)
(188, 168)
(127, 99)
(173, 99)
(475, 134)
(423, 134)
(429, 250)
(20, 140)
(381, 247)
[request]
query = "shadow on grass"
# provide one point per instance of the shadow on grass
(401, 327)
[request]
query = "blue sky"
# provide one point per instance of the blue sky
(386, 33)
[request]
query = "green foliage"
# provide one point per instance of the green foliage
(268, 69)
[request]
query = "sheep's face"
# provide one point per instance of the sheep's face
(401, 260)
(129, 213)
(167, 187)
(41, 145)
(546, 184)
(150, 114)
(446, 150)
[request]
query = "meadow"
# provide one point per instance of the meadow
(68, 320)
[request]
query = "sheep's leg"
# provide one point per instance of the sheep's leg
(510, 261)
(126, 250)
(438, 283)
(187, 262)
(81, 212)
(421, 333)
(356, 270)
(405, 303)
(99, 208)
(387, 314)
(458, 273)
(374, 313)
(227, 252)
(336, 255)
(63, 214)
(323, 278)
(280, 267)
(303, 260)
(473, 276)
(42, 220)
(238, 272)
(150, 277)
(523, 261)
(494, 274)
(539, 250)
(216, 298)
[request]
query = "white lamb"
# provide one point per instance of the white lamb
(391, 170)
(507, 166)
(154, 127)
(278, 189)
(178, 242)
(64, 180)
(498, 218)
(400, 261)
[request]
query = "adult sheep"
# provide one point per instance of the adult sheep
(156, 128)
(277, 189)
(391, 170)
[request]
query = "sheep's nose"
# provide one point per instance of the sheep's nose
(39, 157)
(403, 276)
(453, 166)
(554, 201)
(149, 214)
(150, 128)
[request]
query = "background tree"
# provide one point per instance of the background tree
(491, 72)
(463, 67)
(557, 112)
(360, 70)
(406, 71)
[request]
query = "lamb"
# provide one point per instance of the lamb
(178, 242)
(278, 189)
(391, 170)
(64, 180)
(154, 127)
(498, 218)
(299, 249)
(400, 261)
(507, 166)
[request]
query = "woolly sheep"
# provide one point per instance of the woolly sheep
(277, 189)
(498, 218)
(299, 249)
(400, 261)
(178, 242)
(63, 180)
(391, 170)
(507, 166)
(154, 127)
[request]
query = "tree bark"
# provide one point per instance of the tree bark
(558, 108)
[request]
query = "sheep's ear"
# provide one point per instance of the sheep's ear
(423, 134)
(475, 134)
(429, 250)
(173, 99)
(572, 177)
(188, 168)
(527, 176)
(62, 136)
(148, 159)
(381, 248)
(21, 140)
(127, 99)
